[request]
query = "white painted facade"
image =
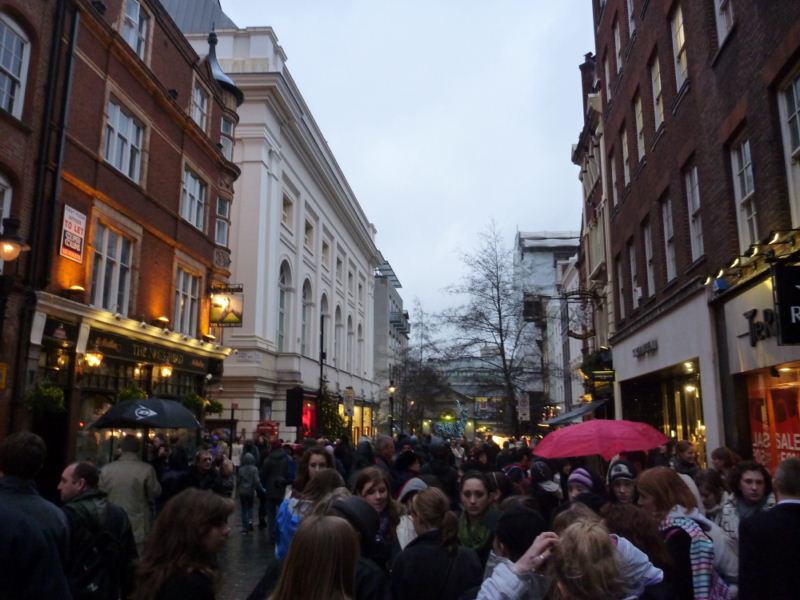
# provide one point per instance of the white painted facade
(685, 333)
(301, 245)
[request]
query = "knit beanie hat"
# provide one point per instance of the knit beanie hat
(517, 527)
(620, 470)
(581, 476)
(541, 472)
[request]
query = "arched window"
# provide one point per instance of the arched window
(360, 350)
(15, 51)
(305, 319)
(337, 340)
(349, 367)
(284, 284)
(323, 310)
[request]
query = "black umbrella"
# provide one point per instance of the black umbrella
(152, 413)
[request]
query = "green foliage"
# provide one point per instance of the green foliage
(195, 403)
(131, 392)
(214, 407)
(330, 423)
(45, 398)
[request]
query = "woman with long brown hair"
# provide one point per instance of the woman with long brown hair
(179, 559)
(478, 519)
(373, 485)
(433, 565)
(313, 461)
(321, 564)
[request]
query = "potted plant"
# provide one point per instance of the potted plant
(131, 392)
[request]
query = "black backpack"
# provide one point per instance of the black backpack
(95, 565)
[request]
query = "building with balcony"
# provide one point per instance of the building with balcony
(304, 249)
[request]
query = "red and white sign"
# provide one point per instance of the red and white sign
(267, 428)
(73, 234)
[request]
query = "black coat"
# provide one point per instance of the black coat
(427, 570)
(769, 554)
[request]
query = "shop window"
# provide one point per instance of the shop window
(15, 50)
(774, 414)
(111, 270)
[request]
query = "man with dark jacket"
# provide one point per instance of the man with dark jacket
(769, 542)
(102, 547)
(446, 475)
(274, 478)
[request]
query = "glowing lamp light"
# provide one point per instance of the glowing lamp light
(11, 244)
(76, 288)
(93, 358)
(166, 371)
(690, 388)
(221, 301)
(163, 320)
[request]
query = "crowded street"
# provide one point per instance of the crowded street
(381, 300)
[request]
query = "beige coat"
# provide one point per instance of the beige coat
(132, 484)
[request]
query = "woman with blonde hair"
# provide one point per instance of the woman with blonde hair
(321, 564)
(179, 559)
(687, 534)
(585, 565)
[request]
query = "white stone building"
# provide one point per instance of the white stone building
(301, 245)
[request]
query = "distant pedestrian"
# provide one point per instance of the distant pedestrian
(685, 461)
(248, 484)
(132, 485)
(102, 549)
(274, 477)
(321, 562)
(179, 560)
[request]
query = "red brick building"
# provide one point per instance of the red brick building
(700, 130)
(134, 225)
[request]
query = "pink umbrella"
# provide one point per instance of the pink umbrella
(599, 436)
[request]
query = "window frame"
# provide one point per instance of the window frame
(657, 89)
(724, 19)
(116, 111)
(284, 306)
(287, 211)
(140, 29)
(626, 157)
(744, 196)
(634, 272)
(17, 100)
(679, 51)
(607, 69)
(200, 113)
(638, 111)
(612, 165)
(306, 304)
(308, 235)
(119, 289)
(189, 209)
(631, 18)
(668, 229)
(617, 42)
(226, 138)
(691, 180)
(620, 285)
(6, 198)
(649, 263)
(183, 321)
(789, 111)
(223, 222)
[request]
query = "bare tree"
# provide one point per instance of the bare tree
(488, 326)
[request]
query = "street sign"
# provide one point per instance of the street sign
(786, 295)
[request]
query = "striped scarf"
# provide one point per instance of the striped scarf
(707, 584)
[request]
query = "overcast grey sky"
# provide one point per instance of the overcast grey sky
(443, 115)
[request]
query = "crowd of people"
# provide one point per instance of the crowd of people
(402, 518)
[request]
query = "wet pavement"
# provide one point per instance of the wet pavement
(243, 560)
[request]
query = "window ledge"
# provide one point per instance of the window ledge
(723, 45)
(680, 96)
(639, 168)
(659, 135)
(15, 122)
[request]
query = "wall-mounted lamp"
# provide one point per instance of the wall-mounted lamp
(161, 321)
(11, 243)
(93, 358)
(165, 371)
(209, 338)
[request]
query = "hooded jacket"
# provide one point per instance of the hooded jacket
(249, 481)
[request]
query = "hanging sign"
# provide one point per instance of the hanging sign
(227, 303)
(73, 234)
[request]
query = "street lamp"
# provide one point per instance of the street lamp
(391, 391)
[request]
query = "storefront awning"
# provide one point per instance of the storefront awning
(575, 413)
